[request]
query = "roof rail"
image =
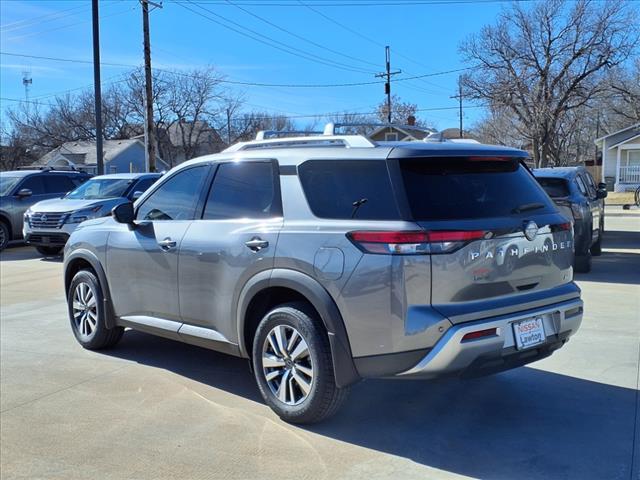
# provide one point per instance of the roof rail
(265, 134)
(345, 141)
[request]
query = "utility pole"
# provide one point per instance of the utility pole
(387, 86)
(97, 93)
(459, 97)
(149, 137)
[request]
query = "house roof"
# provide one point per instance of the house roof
(83, 152)
(413, 131)
(624, 141)
(198, 130)
(637, 125)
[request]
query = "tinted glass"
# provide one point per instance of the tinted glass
(58, 184)
(99, 188)
(7, 183)
(176, 198)
(143, 185)
(463, 188)
(35, 184)
(335, 188)
(555, 187)
(243, 190)
(581, 186)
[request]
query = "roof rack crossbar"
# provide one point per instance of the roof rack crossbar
(345, 141)
(330, 128)
(265, 134)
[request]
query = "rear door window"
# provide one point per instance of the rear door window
(244, 190)
(555, 187)
(581, 186)
(469, 188)
(58, 184)
(343, 189)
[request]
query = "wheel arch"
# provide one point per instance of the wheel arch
(269, 288)
(84, 259)
(4, 218)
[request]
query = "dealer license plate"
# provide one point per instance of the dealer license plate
(529, 333)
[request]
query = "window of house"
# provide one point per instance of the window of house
(633, 158)
(391, 137)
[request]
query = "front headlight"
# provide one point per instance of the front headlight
(80, 216)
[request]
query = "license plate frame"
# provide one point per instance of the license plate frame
(529, 333)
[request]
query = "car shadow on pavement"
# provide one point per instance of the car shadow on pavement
(613, 267)
(526, 423)
(621, 239)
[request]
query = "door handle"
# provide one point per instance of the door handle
(167, 244)
(256, 244)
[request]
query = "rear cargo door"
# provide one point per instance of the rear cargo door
(516, 241)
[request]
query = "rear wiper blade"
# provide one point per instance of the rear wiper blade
(527, 206)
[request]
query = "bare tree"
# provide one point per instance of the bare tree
(541, 63)
(400, 110)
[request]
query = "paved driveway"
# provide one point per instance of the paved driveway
(153, 408)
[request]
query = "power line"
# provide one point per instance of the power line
(356, 3)
(308, 115)
(237, 82)
(264, 39)
(9, 27)
(300, 37)
(68, 25)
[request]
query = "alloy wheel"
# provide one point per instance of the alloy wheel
(287, 365)
(85, 310)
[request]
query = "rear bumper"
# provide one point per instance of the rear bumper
(453, 356)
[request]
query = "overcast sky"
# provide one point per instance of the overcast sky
(285, 49)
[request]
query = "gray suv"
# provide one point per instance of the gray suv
(329, 259)
(22, 188)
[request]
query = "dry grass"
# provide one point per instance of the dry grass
(619, 198)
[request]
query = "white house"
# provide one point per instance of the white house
(119, 156)
(621, 158)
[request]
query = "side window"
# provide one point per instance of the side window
(581, 186)
(590, 184)
(343, 189)
(143, 185)
(58, 184)
(177, 198)
(35, 184)
(243, 190)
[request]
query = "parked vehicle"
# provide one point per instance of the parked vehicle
(582, 201)
(22, 188)
(329, 259)
(48, 224)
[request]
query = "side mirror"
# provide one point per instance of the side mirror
(24, 192)
(136, 195)
(124, 213)
(601, 193)
(602, 186)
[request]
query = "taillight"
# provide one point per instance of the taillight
(414, 242)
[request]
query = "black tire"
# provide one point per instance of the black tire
(97, 336)
(5, 235)
(324, 397)
(582, 263)
(596, 248)
(49, 251)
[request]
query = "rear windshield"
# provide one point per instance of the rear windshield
(555, 187)
(343, 189)
(468, 188)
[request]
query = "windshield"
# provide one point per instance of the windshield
(7, 183)
(100, 188)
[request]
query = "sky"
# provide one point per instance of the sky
(283, 42)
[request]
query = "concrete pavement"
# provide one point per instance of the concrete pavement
(153, 408)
